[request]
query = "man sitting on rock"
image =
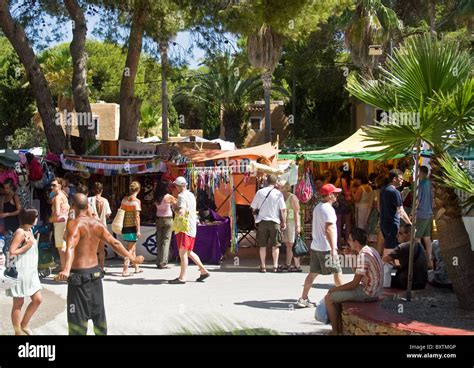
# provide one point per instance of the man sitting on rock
(367, 284)
(401, 253)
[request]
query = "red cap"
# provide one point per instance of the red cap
(328, 189)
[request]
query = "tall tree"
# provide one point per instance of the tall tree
(267, 23)
(79, 64)
(15, 33)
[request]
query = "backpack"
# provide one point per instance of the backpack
(45, 180)
(35, 170)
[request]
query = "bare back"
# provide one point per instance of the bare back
(87, 232)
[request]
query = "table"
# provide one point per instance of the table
(212, 241)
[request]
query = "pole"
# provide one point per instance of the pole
(413, 220)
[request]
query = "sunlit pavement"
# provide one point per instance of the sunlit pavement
(234, 297)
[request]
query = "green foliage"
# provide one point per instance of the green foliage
(16, 98)
(431, 79)
(28, 137)
(222, 87)
(322, 106)
(290, 19)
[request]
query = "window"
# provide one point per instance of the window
(95, 121)
(256, 123)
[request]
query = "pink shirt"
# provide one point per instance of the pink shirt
(163, 209)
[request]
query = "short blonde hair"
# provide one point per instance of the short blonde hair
(134, 186)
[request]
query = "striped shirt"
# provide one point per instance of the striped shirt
(369, 265)
(130, 205)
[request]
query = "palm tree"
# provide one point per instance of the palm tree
(370, 23)
(264, 48)
(222, 87)
(149, 118)
(431, 80)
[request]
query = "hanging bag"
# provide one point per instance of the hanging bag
(304, 189)
(117, 224)
(300, 248)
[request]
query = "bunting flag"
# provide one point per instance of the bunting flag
(109, 169)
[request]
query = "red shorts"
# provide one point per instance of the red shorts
(185, 241)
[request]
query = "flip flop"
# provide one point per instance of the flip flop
(125, 274)
(176, 282)
(202, 277)
(139, 271)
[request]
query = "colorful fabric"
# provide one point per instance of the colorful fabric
(131, 205)
(369, 265)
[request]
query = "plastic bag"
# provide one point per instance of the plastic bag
(304, 189)
(321, 313)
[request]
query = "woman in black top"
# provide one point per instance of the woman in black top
(10, 206)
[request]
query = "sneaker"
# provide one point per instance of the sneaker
(304, 303)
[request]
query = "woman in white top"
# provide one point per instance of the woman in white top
(293, 226)
(25, 248)
(100, 208)
(363, 200)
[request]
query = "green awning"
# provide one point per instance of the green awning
(341, 156)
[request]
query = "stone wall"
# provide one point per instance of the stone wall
(355, 325)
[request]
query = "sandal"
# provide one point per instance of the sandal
(262, 269)
(277, 269)
(286, 268)
(295, 269)
(125, 274)
(27, 331)
(139, 270)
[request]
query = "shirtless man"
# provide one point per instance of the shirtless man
(85, 299)
(60, 208)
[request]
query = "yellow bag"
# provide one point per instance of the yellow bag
(181, 223)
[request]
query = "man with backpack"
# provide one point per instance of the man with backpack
(269, 209)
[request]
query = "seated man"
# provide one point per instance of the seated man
(367, 284)
(401, 253)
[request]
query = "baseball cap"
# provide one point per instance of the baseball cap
(180, 181)
(328, 189)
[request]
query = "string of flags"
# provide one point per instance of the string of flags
(108, 169)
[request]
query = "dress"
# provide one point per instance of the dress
(28, 279)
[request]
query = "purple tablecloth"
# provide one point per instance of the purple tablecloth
(212, 241)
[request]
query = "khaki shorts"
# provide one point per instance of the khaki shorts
(322, 263)
(59, 230)
(289, 234)
(268, 234)
(354, 295)
(423, 227)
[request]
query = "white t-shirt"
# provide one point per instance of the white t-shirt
(270, 209)
(323, 213)
(187, 201)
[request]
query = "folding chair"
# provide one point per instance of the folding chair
(245, 224)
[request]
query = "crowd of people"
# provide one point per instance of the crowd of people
(363, 216)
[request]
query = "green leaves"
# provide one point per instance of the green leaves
(429, 79)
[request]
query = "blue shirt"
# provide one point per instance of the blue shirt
(390, 200)
(425, 205)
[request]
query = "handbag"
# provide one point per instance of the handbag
(117, 224)
(304, 189)
(181, 223)
(299, 247)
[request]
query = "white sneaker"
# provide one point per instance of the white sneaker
(305, 303)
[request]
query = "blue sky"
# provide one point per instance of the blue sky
(182, 40)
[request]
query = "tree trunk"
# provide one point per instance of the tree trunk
(79, 75)
(455, 249)
(164, 92)
(267, 88)
(44, 100)
(432, 17)
(129, 103)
